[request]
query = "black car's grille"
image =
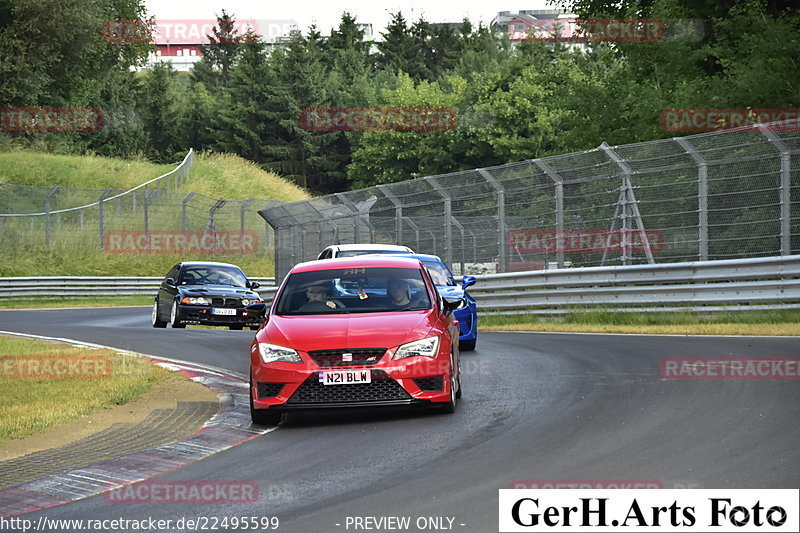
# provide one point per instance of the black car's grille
(226, 302)
(357, 356)
(431, 384)
(382, 388)
(269, 390)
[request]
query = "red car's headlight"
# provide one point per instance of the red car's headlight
(423, 348)
(271, 353)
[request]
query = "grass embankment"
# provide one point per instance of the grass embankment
(31, 403)
(775, 322)
(75, 249)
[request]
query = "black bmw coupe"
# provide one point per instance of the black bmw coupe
(212, 294)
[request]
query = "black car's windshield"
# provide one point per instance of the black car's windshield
(212, 275)
(353, 290)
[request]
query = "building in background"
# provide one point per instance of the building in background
(538, 24)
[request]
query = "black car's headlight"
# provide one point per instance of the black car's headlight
(195, 300)
(248, 301)
(424, 348)
(271, 353)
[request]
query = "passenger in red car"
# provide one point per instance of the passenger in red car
(399, 292)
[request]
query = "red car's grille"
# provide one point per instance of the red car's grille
(352, 357)
(382, 388)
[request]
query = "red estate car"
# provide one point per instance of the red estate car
(361, 331)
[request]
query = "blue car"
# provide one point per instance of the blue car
(467, 315)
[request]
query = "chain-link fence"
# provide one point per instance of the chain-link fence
(721, 195)
(151, 218)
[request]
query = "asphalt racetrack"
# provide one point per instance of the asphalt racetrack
(536, 407)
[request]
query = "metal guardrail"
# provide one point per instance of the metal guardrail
(709, 286)
(729, 285)
(68, 287)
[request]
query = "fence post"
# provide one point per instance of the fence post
(356, 215)
(559, 181)
(398, 212)
(102, 218)
(463, 243)
(702, 194)
(502, 240)
(47, 215)
(448, 215)
(241, 222)
(629, 198)
(146, 208)
(212, 223)
(786, 169)
(416, 232)
(184, 221)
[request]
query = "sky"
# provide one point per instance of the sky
(326, 14)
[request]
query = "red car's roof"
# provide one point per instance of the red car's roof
(359, 261)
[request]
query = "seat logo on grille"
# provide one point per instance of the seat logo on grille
(347, 357)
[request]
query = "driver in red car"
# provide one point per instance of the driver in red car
(318, 299)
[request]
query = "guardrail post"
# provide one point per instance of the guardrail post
(398, 212)
(102, 217)
(47, 214)
(559, 181)
(702, 194)
(785, 190)
(502, 240)
(448, 215)
(184, 220)
(629, 198)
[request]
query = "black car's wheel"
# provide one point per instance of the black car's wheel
(253, 328)
(235, 327)
(155, 319)
(262, 417)
(174, 317)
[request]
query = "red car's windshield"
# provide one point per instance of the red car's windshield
(353, 290)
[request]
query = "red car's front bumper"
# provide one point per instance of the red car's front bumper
(289, 386)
